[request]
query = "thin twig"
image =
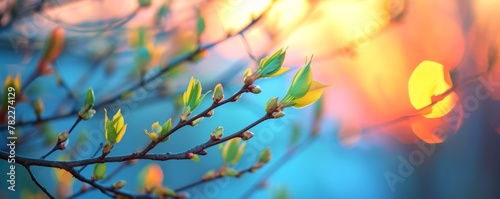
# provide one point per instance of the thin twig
(95, 154)
(57, 146)
(38, 183)
(173, 64)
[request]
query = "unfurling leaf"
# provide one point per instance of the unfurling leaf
(218, 94)
(192, 97)
(301, 82)
(53, 47)
(209, 175)
(232, 151)
(119, 184)
(195, 158)
(265, 156)
(269, 66)
(312, 95)
(87, 104)
(167, 126)
(271, 105)
(304, 90)
(99, 171)
(114, 129)
(217, 133)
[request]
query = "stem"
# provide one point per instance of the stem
(187, 122)
(173, 64)
(199, 182)
(95, 154)
(56, 146)
(160, 157)
(38, 183)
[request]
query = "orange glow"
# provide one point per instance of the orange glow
(152, 176)
(426, 82)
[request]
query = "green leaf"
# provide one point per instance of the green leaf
(200, 25)
(271, 105)
(167, 126)
(217, 133)
(231, 153)
(271, 65)
(313, 94)
(99, 171)
(282, 193)
(195, 158)
(265, 156)
(301, 82)
(88, 103)
(230, 172)
(162, 12)
(89, 98)
(218, 93)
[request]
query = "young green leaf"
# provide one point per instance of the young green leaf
(265, 156)
(115, 128)
(271, 65)
(99, 171)
(200, 25)
(301, 82)
(312, 95)
(232, 151)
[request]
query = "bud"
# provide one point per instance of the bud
(202, 152)
(186, 111)
(278, 114)
(229, 172)
(38, 107)
(99, 171)
(86, 111)
(63, 136)
(254, 89)
(52, 49)
(63, 145)
(88, 115)
(265, 156)
(217, 133)
(246, 135)
(107, 148)
(182, 195)
(196, 121)
(189, 155)
(119, 184)
(271, 105)
(209, 175)
(84, 188)
(210, 113)
(166, 192)
(248, 80)
(218, 94)
(236, 98)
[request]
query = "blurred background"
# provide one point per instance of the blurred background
(371, 142)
